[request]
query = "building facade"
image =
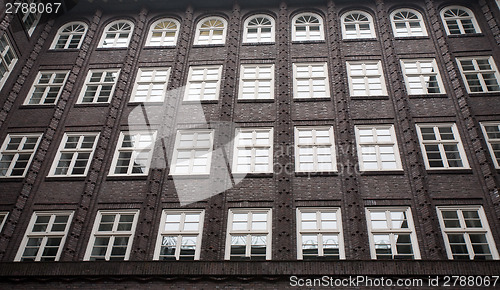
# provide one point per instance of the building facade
(241, 143)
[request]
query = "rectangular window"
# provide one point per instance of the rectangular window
(249, 234)
(75, 152)
(112, 236)
(314, 149)
(46, 88)
(422, 77)
(253, 150)
(179, 237)
(150, 85)
(8, 59)
(392, 233)
(193, 152)
(99, 86)
(377, 148)
(30, 18)
(203, 83)
(366, 78)
(256, 82)
(492, 134)
(3, 219)
(310, 80)
(16, 154)
(133, 153)
(319, 234)
(479, 74)
(466, 233)
(45, 236)
(441, 146)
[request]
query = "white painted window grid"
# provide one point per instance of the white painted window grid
(150, 85)
(17, 153)
(203, 83)
(377, 148)
(29, 19)
(253, 150)
(392, 233)
(8, 58)
(466, 233)
(99, 86)
(3, 219)
(163, 32)
(116, 34)
(491, 132)
(47, 87)
(319, 234)
(366, 78)
(180, 234)
(422, 77)
(441, 146)
(480, 74)
(407, 23)
(357, 25)
(310, 80)
(45, 236)
(211, 30)
(256, 82)
(315, 149)
(459, 20)
(70, 36)
(192, 152)
(259, 28)
(249, 233)
(307, 26)
(133, 153)
(75, 154)
(112, 235)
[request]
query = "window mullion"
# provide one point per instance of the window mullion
(178, 245)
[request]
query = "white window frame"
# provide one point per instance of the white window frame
(311, 78)
(135, 151)
(366, 77)
(491, 141)
(256, 81)
(249, 232)
(3, 215)
(392, 231)
(179, 234)
(193, 150)
(190, 82)
(358, 35)
(114, 44)
(459, 20)
(34, 16)
(465, 230)
(163, 31)
(75, 153)
(46, 87)
(8, 49)
(319, 231)
(377, 144)
(269, 146)
(99, 85)
(71, 35)
(45, 235)
(308, 36)
(314, 146)
(424, 76)
(259, 28)
(210, 37)
(151, 83)
(113, 233)
(479, 73)
(498, 4)
(18, 151)
(440, 143)
(409, 32)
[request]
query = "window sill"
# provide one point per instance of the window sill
(111, 48)
(253, 175)
(428, 96)
(126, 177)
(316, 174)
(255, 100)
(323, 99)
(466, 35)
(369, 97)
(65, 178)
(382, 172)
(11, 179)
(63, 50)
(159, 47)
(209, 45)
(257, 43)
(188, 176)
(371, 39)
(145, 103)
(33, 106)
(90, 105)
(484, 94)
(411, 37)
(308, 41)
(191, 102)
(450, 171)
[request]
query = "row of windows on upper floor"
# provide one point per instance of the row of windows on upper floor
(314, 148)
(261, 28)
(391, 234)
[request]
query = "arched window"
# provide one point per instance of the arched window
(163, 32)
(259, 28)
(459, 20)
(117, 34)
(357, 24)
(70, 36)
(211, 30)
(307, 26)
(407, 22)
